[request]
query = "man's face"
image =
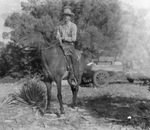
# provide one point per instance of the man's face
(67, 18)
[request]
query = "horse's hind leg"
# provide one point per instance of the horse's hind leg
(48, 105)
(75, 90)
(59, 95)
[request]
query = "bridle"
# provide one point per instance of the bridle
(49, 46)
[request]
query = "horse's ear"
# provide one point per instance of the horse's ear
(40, 44)
(55, 31)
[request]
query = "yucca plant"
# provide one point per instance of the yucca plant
(31, 94)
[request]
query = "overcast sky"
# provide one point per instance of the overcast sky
(6, 8)
(138, 3)
(9, 6)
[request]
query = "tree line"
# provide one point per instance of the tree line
(98, 22)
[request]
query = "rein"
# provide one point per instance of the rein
(50, 46)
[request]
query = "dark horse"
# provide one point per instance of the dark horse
(54, 68)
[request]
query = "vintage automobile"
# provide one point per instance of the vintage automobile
(100, 71)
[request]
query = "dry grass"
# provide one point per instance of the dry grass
(119, 109)
(117, 103)
(123, 104)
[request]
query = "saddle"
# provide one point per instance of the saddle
(68, 51)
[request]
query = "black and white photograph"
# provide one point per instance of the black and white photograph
(74, 65)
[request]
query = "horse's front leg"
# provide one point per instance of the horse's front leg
(48, 104)
(59, 96)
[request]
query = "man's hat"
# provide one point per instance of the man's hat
(68, 12)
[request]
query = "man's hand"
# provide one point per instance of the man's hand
(69, 39)
(58, 36)
(60, 41)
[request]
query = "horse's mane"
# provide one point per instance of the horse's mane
(48, 45)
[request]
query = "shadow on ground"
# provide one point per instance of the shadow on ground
(119, 110)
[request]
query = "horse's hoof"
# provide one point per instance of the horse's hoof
(62, 112)
(41, 112)
(48, 111)
(72, 105)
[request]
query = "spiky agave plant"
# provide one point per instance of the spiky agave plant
(31, 94)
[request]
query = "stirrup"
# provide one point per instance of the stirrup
(74, 81)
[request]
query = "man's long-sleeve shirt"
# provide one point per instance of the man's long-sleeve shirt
(67, 32)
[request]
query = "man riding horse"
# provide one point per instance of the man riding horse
(67, 34)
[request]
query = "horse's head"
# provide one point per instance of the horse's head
(48, 40)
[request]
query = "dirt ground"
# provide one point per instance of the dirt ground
(98, 109)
